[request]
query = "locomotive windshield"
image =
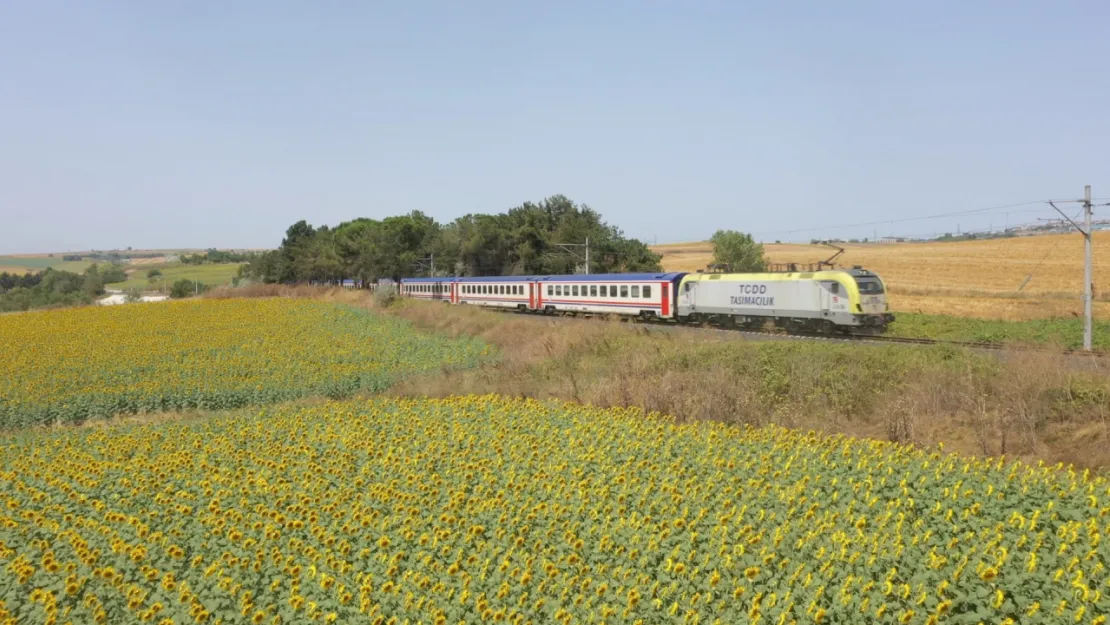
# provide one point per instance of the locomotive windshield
(869, 286)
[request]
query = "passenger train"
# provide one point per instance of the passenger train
(827, 301)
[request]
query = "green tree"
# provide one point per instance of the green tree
(523, 240)
(738, 251)
(182, 288)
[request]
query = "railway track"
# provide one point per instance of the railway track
(837, 338)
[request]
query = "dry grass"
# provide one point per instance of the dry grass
(1029, 405)
(968, 278)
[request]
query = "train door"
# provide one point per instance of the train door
(531, 295)
(454, 293)
(689, 296)
(829, 294)
(665, 291)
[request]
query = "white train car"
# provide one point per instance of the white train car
(647, 295)
(513, 292)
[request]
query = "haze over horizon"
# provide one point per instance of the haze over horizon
(195, 125)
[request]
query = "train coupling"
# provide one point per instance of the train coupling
(875, 321)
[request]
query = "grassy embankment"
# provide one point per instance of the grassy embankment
(1025, 404)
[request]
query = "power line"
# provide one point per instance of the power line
(905, 219)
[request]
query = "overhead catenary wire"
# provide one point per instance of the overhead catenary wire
(903, 219)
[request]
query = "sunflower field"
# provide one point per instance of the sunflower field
(491, 510)
(65, 366)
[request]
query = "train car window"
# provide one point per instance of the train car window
(624, 290)
(612, 290)
(636, 291)
(601, 291)
(869, 286)
(593, 290)
(574, 290)
(647, 291)
(550, 290)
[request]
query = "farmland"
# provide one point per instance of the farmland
(208, 274)
(66, 366)
(481, 509)
(966, 278)
(29, 264)
(321, 459)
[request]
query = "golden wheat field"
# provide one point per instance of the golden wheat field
(480, 509)
(966, 278)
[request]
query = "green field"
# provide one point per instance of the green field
(1065, 332)
(39, 263)
(211, 275)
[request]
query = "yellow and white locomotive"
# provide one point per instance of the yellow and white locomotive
(801, 301)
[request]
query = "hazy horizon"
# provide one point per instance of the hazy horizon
(209, 125)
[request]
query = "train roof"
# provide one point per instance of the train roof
(594, 277)
(613, 277)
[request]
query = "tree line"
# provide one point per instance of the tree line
(55, 288)
(216, 256)
(547, 237)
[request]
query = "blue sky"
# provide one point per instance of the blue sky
(196, 124)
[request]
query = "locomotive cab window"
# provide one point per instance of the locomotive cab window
(647, 291)
(869, 286)
(835, 288)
